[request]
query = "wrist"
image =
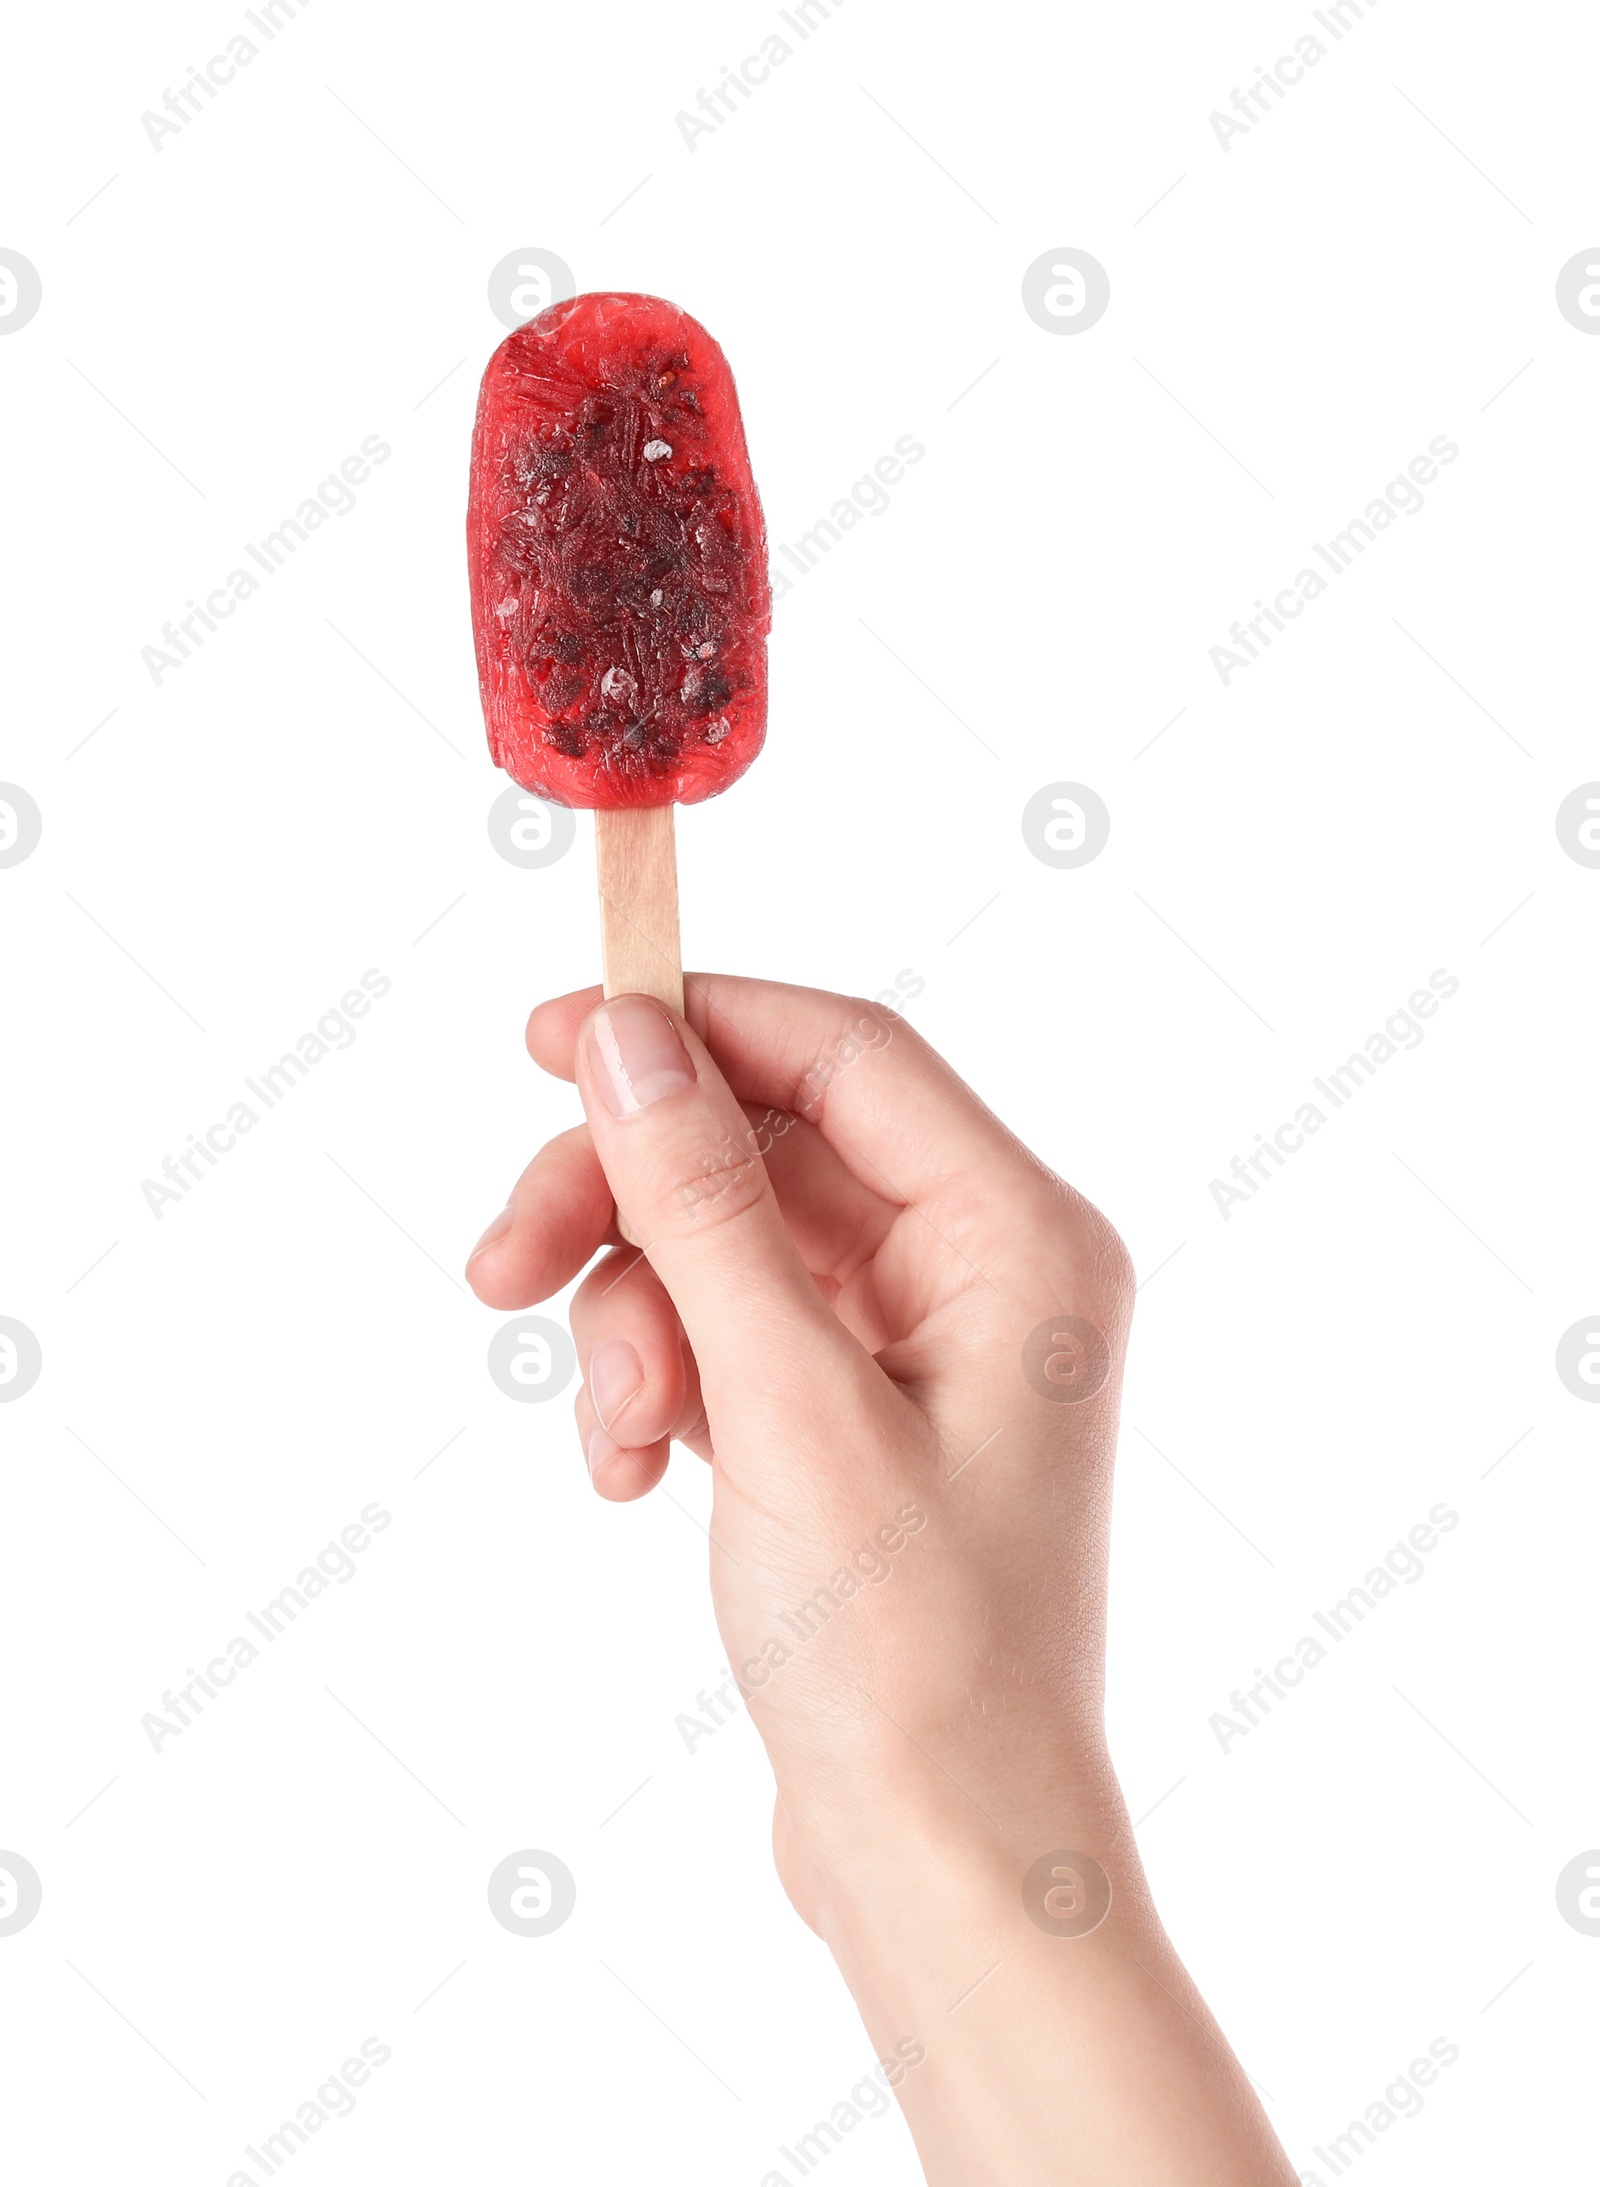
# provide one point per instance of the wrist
(927, 1872)
(951, 1863)
(960, 1950)
(1015, 1969)
(982, 1804)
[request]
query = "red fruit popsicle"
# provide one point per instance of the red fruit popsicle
(620, 597)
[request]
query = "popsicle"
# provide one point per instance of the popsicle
(620, 596)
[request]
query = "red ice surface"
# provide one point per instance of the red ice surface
(618, 559)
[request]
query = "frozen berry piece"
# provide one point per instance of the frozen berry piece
(618, 559)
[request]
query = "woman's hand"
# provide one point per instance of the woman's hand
(897, 1338)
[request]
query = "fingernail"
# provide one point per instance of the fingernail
(601, 1447)
(616, 1373)
(640, 1056)
(497, 1229)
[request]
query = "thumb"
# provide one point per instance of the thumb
(691, 1187)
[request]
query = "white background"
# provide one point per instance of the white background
(305, 265)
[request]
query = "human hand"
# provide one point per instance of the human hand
(897, 1338)
(845, 1255)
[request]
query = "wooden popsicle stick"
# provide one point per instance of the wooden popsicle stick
(637, 864)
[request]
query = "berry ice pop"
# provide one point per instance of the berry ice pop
(620, 597)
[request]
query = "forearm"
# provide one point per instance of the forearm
(1049, 2057)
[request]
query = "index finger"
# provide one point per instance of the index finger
(893, 1110)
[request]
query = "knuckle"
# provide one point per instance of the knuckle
(1069, 1234)
(699, 1186)
(863, 1028)
(1107, 1263)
